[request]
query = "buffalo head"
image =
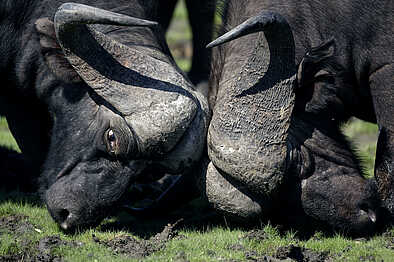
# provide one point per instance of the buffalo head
(121, 112)
(258, 143)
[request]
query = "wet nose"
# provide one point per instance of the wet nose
(368, 214)
(61, 208)
(62, 216)
(366, 223)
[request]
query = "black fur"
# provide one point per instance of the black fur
(334, 87)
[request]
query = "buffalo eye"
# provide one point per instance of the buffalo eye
(111, 141)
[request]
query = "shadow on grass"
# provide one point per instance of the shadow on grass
(197, 216)
(19, 197)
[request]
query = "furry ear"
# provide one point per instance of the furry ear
(53, 54)
(316, 63)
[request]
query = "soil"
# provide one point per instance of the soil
(138, 248)
(289, 253)
(43, 250)
(17, 224)
(301, 254)
(285, 253)
(27, 250)
(258, 235)
(127, 245)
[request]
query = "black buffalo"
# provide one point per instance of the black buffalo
(95, 102)
(279, 95)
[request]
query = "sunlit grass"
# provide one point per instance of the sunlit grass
(363, 136)
(215, 243)
(6, 139)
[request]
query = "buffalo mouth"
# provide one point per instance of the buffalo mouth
(140, 199)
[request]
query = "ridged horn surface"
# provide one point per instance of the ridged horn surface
(248, 133)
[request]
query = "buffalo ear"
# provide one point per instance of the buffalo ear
(317, 62)
(53, 54)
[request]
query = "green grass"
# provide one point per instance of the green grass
(6, 139)
(213, 243)
(179, 37)
(364, 137)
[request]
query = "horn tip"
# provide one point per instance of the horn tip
(210, 45)
(214, 43)
(152, 23)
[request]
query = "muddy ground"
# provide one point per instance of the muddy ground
(43, 249)
(24, 249)
(131, 247)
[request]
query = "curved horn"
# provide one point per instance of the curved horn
(277, 33)
(100, 60)
(260, 22)
(70, 14)
(247, 137)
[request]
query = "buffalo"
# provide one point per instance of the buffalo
(284, 79)
(95, 102)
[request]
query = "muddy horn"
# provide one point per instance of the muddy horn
(247, 137)
(277, 32)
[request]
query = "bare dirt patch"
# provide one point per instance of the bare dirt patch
(301, 254)
(258, 235)
(285, 253)
(289, 253)
(138, 248)
(43, 251)
(26, 250)
(15, 224)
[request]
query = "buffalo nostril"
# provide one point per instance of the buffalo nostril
(370, 213)
(63, 216)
